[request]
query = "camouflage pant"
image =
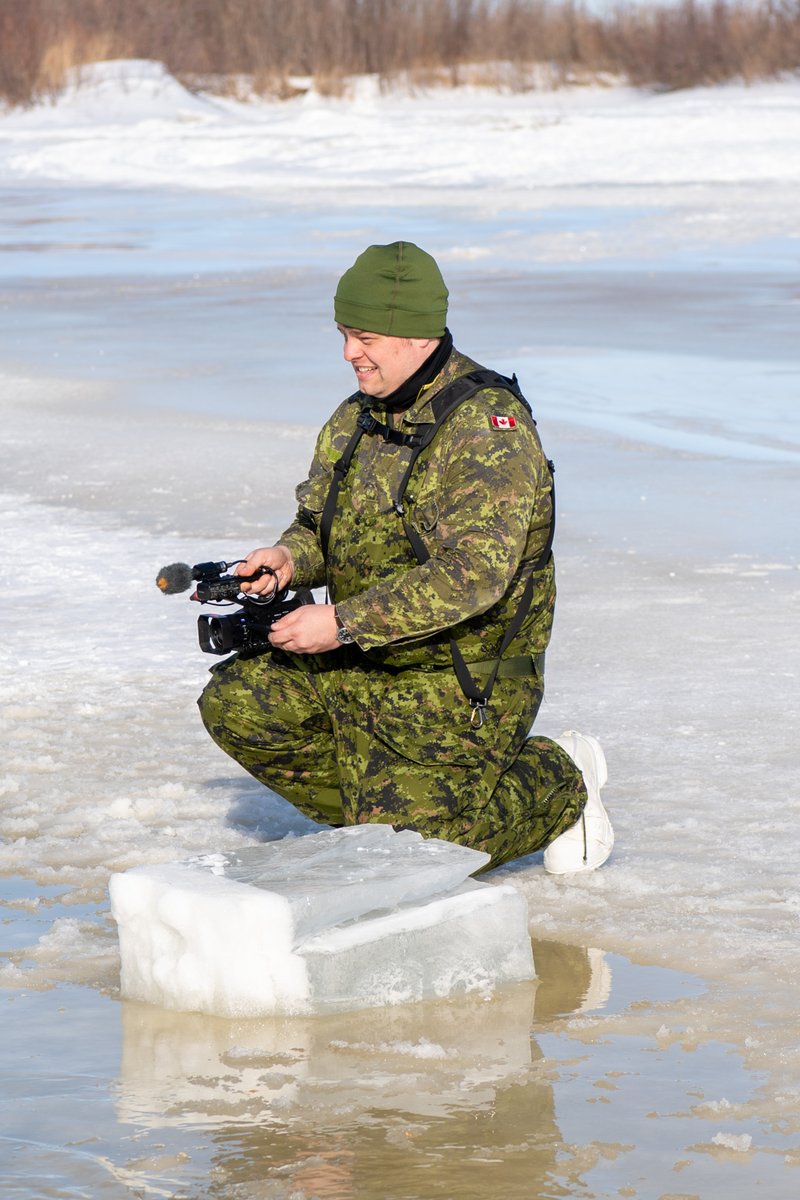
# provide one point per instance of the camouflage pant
(347, 743)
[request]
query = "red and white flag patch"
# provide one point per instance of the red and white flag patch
(499, 422)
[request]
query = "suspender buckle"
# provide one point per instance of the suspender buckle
(366, 421)
(478, 712)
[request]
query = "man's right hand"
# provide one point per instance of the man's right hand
(276, 557)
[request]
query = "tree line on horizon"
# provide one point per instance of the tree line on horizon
(260, 46)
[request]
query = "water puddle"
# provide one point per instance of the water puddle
(586, 1083)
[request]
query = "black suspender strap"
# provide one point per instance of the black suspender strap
(340, 469)
(544, 557)
(442, 405)
(365, 423)
(447, 400)
(479, 696)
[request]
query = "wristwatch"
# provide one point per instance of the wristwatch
(343, 636)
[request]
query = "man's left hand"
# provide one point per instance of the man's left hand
(310, 629)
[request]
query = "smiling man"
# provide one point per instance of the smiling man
(383, 363)
(428, 516)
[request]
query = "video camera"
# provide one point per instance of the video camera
(246, 629)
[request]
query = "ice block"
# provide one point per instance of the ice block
(342, 919)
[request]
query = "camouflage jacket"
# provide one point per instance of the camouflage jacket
(480, 498)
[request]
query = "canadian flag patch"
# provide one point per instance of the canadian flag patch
(503, 422)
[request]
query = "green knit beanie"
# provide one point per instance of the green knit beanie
(396, 290)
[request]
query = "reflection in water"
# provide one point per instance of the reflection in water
(570, 979)
(440, 1098)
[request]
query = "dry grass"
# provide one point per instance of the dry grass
(72, 52)
(257, 46)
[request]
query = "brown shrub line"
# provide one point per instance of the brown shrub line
(262, 46)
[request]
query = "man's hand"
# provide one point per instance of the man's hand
(310, 629)
(277, 557)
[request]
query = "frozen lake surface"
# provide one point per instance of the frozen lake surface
(166, 355)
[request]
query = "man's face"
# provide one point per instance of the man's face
(382, 363)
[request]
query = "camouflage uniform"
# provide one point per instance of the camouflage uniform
(381, 731)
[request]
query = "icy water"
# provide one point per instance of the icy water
(587, 1083)
(165, 361)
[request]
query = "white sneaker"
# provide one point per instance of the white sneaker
(587, 844)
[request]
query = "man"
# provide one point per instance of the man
(428, 515)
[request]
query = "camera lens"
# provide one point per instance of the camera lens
(218, 635)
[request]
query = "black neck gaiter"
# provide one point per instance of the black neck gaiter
(404, 396)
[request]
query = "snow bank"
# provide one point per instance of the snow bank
(145, 127)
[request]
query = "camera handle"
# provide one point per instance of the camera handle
(258, 574)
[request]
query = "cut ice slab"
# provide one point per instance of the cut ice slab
(341, 874)
(343, 919)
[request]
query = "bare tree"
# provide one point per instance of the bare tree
(262, 45)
